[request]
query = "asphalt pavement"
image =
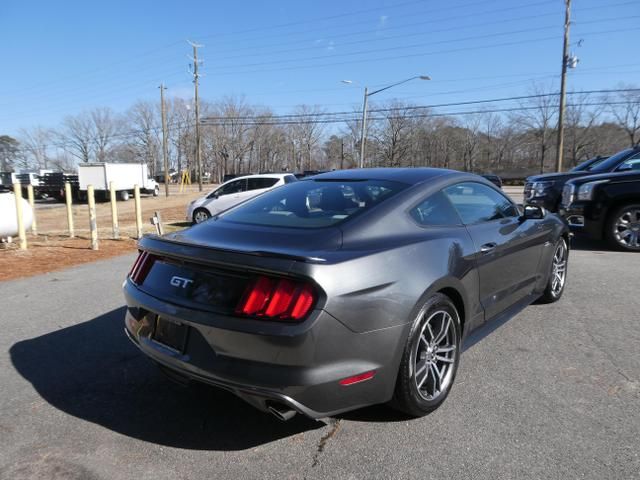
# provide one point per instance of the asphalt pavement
(554, 392)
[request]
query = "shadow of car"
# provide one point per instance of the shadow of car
(92, 372)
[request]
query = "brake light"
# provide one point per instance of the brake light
(276, 299)
(141, 267)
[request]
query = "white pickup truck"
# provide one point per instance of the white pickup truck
(123, 175)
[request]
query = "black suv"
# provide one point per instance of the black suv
(605, 206)
(546, 190)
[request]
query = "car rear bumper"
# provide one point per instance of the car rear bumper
(297, 368)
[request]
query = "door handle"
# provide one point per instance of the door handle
(488, 247)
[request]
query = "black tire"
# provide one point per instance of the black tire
(123, 195)
(201, 215)
(553, 291)
(612, 229)
(409, 396)
(156, 191)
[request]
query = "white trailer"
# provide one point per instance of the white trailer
(123, 175)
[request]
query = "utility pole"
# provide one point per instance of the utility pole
(363, 135)
(165, 149)
(563, 78)
(342, 154)
(196, 76)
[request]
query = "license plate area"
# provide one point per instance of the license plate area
(170, 334)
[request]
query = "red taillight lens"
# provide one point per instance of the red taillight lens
(277, 299)
(345, 382)
(141, 267)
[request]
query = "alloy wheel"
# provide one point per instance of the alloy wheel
(559, 269)
(200, 216)
(435, 355)
(626, 229)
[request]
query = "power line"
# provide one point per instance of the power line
(415, 55)
(437, 105)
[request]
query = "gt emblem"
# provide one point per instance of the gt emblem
(180, 281)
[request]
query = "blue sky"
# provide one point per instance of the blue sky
(62, 57)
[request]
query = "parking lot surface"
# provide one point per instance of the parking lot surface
(554, 392)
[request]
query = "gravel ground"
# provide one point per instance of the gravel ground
(552, 393)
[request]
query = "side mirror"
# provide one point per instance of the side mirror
(533, 212)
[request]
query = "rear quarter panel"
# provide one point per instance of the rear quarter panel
(381, 286)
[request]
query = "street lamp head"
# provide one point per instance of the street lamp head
(348, 82)
(425, 77)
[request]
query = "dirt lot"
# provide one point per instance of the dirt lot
(52, 249)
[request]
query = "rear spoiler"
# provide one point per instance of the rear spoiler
(198, 253)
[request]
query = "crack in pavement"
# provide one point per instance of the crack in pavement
(335, 426)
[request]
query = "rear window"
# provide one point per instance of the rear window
(313, 203)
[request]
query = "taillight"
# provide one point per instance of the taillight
(277, 299)
(141, 267)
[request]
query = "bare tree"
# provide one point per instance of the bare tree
(77, 135)
(181, 120)
(105, 127)
(625, 108)
(306, 132)
(144, 123)
(580, 120)
(538, 118)
(35, 144)
(394, 134)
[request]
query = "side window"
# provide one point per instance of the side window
(632, 163)
(435, 210)
(290, 179)
(476, 203)
(261, 182)
(233, 187)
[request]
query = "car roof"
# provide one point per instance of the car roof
(260, 175)
(411, 176)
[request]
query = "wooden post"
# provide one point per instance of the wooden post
(136, 196)
(34, 227)
(69, 200)
(114, 211)
(92, 217)
(17, 191)
(156, 221)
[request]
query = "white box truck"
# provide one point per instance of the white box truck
(123, 175)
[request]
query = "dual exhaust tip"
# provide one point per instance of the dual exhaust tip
(280, 411)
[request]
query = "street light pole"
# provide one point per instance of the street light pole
(363, 135)
(364, 127)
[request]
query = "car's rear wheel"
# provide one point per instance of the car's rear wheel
(623, 228)
(430, 358)
(201, 215)
(558, 276)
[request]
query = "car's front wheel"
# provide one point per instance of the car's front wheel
(623, 228)
(430, 358)
(201, 215)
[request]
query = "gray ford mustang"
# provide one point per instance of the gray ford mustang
(348, 289)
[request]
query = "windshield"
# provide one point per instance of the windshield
(313, 203)
(588, 165)
(610, 163)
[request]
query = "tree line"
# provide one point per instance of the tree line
(237, 137)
